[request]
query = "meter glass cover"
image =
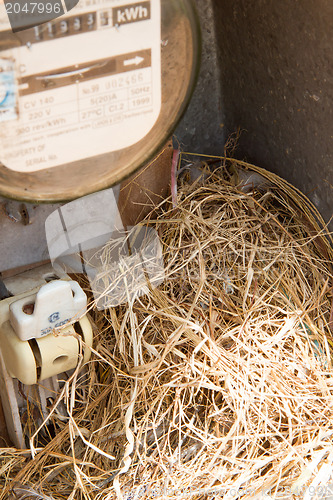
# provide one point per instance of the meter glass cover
(90, 96)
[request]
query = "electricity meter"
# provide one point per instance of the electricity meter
(92, 95)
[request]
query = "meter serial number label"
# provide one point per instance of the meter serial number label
(115, 96)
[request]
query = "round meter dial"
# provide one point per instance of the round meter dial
(90, 96)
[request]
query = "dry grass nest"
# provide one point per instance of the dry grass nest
(218, 383)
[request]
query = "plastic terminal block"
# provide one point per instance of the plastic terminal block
(40, 328)
(40, 299)
(56, 304)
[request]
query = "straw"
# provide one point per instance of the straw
(217, 383)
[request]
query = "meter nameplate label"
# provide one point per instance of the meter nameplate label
(83, 85)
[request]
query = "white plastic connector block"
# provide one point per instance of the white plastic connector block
(28, 319)
(44, 356)
(56, 304)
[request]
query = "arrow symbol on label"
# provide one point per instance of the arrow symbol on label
(136, 60)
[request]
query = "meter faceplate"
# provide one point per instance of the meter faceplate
(91, 96)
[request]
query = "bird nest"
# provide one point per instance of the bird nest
(218, 382)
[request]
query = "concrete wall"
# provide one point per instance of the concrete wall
(276, 79)
(267, 69)
(202, 128)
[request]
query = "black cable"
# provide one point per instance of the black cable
(4, 292)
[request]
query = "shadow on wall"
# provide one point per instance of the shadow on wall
(276, 67)
(202, 129)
